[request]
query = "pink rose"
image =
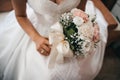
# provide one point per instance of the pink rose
(80, 13)
(96, 36)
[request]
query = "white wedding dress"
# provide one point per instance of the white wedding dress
(19, 59)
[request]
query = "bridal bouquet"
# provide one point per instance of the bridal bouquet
(75, 34)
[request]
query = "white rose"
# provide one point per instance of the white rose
(63, 47)
(86, 30)
(87, 46)
(78, 20)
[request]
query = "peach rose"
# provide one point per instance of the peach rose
(96, 36)
(80, 13)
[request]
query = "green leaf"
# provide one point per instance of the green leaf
(70, 31)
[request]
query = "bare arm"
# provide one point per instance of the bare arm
(20, 12)
(82, 5)
(5, 5)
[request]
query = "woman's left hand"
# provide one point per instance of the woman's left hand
(42, 45)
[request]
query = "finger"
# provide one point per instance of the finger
(46, 48)
(40, 50)
(43, 53)
(47, 42)
(46, 53)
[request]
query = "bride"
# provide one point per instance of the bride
(25, 48)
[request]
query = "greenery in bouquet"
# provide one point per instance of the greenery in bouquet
(80, 30)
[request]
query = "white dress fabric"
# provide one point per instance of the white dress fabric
(19, 59)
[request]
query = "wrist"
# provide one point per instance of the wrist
(36, 37)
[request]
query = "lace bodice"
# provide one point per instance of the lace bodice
(47, 7)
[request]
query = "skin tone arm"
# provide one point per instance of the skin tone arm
(41, 42)
(82, 5)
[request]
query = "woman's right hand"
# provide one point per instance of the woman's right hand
(42, 45)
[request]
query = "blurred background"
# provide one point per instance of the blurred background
(111, 64)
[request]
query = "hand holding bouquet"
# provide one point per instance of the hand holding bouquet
(75, 34)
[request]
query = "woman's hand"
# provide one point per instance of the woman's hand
(41, 42)
(42, 45)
